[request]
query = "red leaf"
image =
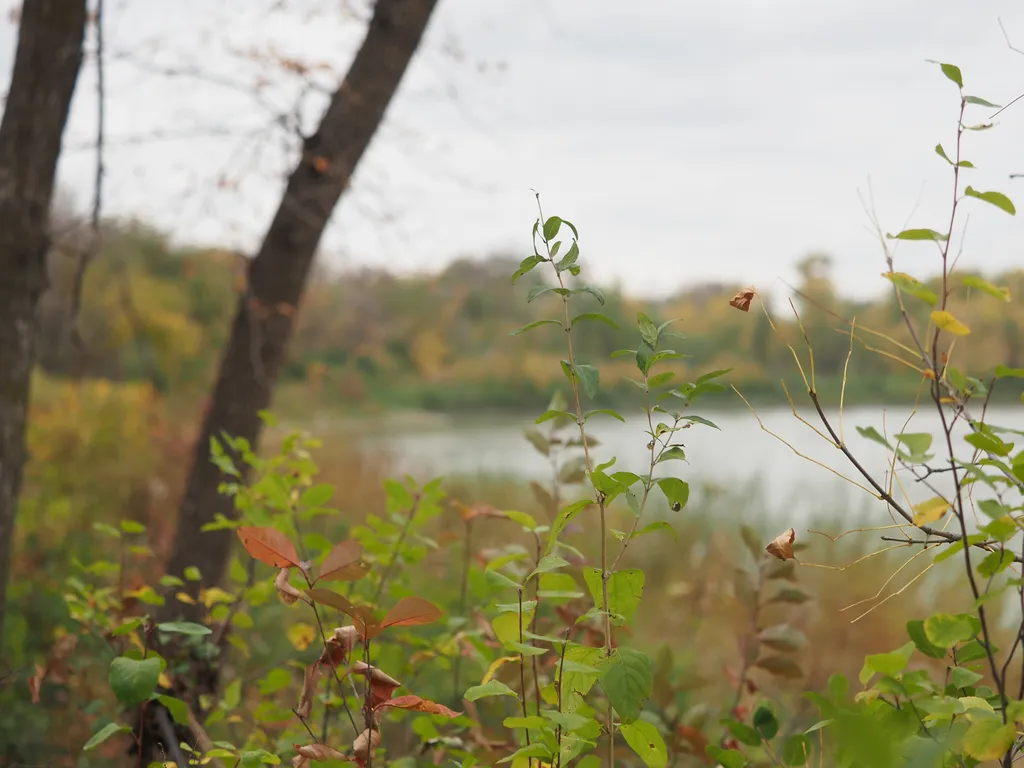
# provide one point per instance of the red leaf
(363, 617)
(36, 682)
(410, 611)
(344, 563)
(420, 705)
(270, 546)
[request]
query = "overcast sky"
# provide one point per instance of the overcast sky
(687, 141)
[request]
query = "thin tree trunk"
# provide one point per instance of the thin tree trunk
(50, 39)
(277, 275)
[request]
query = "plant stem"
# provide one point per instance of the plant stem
(574, 383)
(388, 570)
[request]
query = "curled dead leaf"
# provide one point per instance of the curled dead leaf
(382, 685)
(419, 705)
(742, 300)
(316, 753)
(782, 545)
(286, 591)
(364, 743)
(309, 683)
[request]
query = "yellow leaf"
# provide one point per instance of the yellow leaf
(185, 598)
(948, 323)
(215, 595)
(930, 511)
(301, 635)
(494, 667)
(165, 681)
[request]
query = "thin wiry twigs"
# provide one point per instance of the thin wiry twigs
(892, 576)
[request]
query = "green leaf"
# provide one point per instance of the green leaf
(539, 290)
(1003, 371)
(765, 723)
(626, 680)
(551, 227)
(946, 630)
(942, 153)
(645, 739)
(913, 286)
(490, 688)
(744, 733)
(989, 443)
(564, 516)
(532, 750)
(919, 234)
(569, 260)
(606, 412)
(998, 199)
(918, 443)
(677, 492)
(657, 525)
(796, 750)
(531, 326)
(794, 596)
(133, 681)
(177, 708)
(915, 630)
(995, 562)
(590, 378)
(597, 316)
(874, 435)
(595, 292)
(548, 563)
(963, 678)
(952, 72)
(625, 590)
(317, 495)
(184, 628)
(888, 664)
(989, 739)
(534, 722)
(103, 734)
(648, 330)
(526, 265)
(973, 281)
(980, 102)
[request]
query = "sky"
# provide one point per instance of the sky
(687, 141)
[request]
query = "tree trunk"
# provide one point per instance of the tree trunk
(277, 275)
(50, 39)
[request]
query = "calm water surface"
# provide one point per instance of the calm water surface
(741, 453)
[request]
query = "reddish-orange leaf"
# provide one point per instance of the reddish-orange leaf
(344, 563)
(782, 545)
(742, 299)
(410, 611)
(269, 545)
(363, 617)
(420, 705)
(309, 684)
(382, 685)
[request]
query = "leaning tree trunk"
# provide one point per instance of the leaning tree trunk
(277, 275)
(50, 39)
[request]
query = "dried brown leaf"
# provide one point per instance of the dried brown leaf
(382, 685)
(309, 682)
(420, 705)
(316, 753)
(364, 743)
(782, 545)
(742, 299)
(286, 591)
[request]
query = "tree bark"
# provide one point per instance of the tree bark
(49, 55)
(278, 273)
